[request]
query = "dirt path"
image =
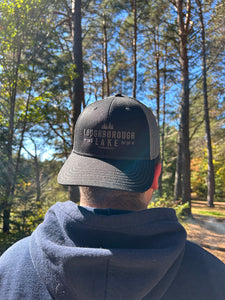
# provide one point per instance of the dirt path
(208, 232)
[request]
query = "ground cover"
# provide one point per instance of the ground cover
(207, 227)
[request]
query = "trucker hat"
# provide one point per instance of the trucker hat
(116, 142)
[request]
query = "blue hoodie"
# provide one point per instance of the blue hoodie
(85, 253)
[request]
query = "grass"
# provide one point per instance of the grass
(201, 209)
(211, 213)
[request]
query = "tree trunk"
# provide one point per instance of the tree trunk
(177, 183)
(10, 168)
(105, 42)
(78, 86)
(210, 175)
(183, 27)
(156, 42)
(134, 47)
(103, 75)
(37, 169)
(38, 183)
(163, 122)
(22, 133)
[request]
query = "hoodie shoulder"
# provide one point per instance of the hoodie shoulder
(201, 276)
(14, 257)
(18, 278)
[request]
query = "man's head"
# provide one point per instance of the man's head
(116, 144)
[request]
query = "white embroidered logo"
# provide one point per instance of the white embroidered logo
(108, 138)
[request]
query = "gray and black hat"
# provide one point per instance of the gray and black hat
(116, 142)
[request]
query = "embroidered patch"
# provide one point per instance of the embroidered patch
(108, 138)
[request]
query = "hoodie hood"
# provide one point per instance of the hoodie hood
(85, 253)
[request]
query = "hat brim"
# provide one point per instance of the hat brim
(127, 175)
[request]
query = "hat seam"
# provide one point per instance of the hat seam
(109, 109)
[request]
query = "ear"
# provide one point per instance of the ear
(158, 168)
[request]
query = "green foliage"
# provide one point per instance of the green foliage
(7, 240)
(199, 168)
(28, 211)
(3, 163)
(177, 206)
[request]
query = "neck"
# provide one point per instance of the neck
(122, 205)
(105, 198)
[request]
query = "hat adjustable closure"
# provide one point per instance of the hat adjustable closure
(115, 143)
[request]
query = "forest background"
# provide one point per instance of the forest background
(56, 57)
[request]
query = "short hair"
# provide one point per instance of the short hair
(109, 198)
